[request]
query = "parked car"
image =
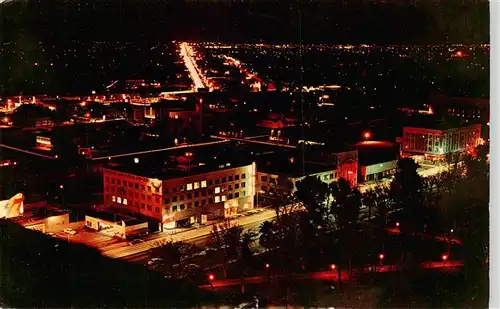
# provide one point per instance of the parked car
(135, 241)
(69, 231)
(155, 261)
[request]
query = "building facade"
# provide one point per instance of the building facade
(377, 171)
(194, 198)
(274, 187)
(435, 144)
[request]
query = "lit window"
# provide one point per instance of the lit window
(217, 190)
(189, 187)
(223, 198)
(119, 200)
(125, 202)
(113, 198)
(204, 184)
(217, 199)
(196, 185)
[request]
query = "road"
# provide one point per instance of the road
(190, 62)
(328, 274)
(197, 235)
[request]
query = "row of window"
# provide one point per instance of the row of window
(210, 200)
(187, 187)
(180, 197)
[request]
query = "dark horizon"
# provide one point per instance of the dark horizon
(356, 22)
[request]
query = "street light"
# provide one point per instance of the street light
(367, 135)
(211, 278)
(444, 257)
(397, 224)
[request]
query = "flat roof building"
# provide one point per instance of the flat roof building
(186, 185)
(434, 140)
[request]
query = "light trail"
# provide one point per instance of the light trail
(252, 141)
(27, 151)
(186, 53)
(160, 150)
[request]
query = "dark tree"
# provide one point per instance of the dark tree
(407, 195)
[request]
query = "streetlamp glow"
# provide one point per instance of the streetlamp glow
(381, 256)
(367, 135)
(444, 257)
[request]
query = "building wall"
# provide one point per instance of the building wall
(181, 198)
(440, 142)
(134, 194)
(377, 171)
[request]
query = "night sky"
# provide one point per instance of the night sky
(334, 21)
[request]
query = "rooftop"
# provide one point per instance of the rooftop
(111, 217)
(373, 152)
(183, 162)
(434, 123)
(288, 162)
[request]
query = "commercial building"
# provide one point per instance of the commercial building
(279, 171)
(153, 110)
(192, 185)
(434, 142)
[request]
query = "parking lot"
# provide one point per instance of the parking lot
(90, 238)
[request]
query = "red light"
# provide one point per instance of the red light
(333, 266)
(367, 135)
(444, 257)
(397, 224)
(381, 256)
(211, 277)
(267, 265)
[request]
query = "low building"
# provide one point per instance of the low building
(191, 185)
(44, 219)
(279, 171)
(116, 225)
(377, 160)
(433, 142)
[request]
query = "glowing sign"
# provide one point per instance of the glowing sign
(12, 208)
(168, 218)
